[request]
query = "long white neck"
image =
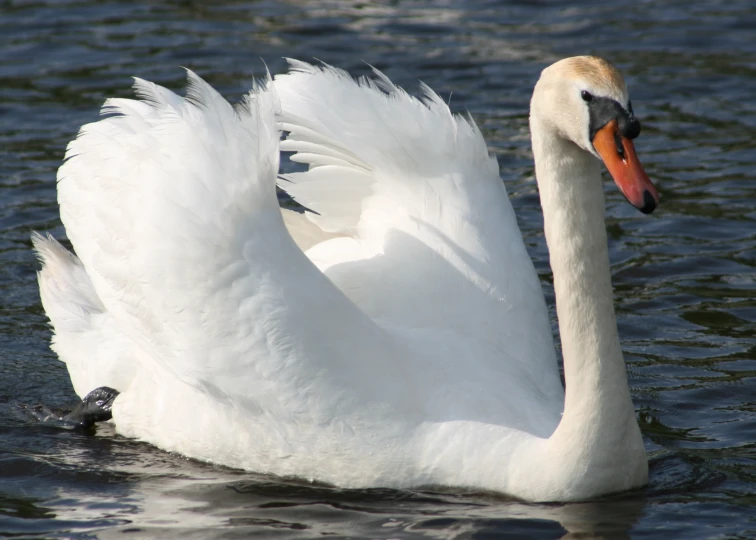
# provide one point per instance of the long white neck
(569, 181)
(598, 434)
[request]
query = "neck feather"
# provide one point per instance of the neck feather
(599, 418)
(573, 205)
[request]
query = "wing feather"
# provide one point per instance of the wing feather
(436, 242)
(170, 204)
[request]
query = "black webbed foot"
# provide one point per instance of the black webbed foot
(95, 407)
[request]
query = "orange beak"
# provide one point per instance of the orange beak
(619, 157)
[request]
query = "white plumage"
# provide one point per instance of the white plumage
(409, 345)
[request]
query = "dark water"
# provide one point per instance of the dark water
(684, 277)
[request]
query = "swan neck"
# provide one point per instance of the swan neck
(569, 180)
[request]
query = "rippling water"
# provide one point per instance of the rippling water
(684, 277)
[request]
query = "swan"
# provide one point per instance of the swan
(396, 333)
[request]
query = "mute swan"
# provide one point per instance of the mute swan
(410, 345)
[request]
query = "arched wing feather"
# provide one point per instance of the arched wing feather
(434, 243)
(170, 204)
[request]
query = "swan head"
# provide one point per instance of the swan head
(584, 100)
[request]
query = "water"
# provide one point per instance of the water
(684, 277)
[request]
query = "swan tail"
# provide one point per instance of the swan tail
(85, 336)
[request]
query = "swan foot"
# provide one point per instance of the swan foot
(95, 407)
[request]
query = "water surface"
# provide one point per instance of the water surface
(684, 277)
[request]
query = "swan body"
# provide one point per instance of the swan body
(395, 335)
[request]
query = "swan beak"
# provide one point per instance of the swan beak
(619, 157)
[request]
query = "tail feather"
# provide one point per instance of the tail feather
(67, 292)
(85, 337)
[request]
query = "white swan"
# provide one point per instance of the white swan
(410, 345)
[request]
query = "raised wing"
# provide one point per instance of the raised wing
(170, 204)
(434, 243)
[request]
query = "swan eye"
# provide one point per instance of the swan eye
(587, 96)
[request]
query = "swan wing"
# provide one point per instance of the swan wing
(170, 204)
(429, 237)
